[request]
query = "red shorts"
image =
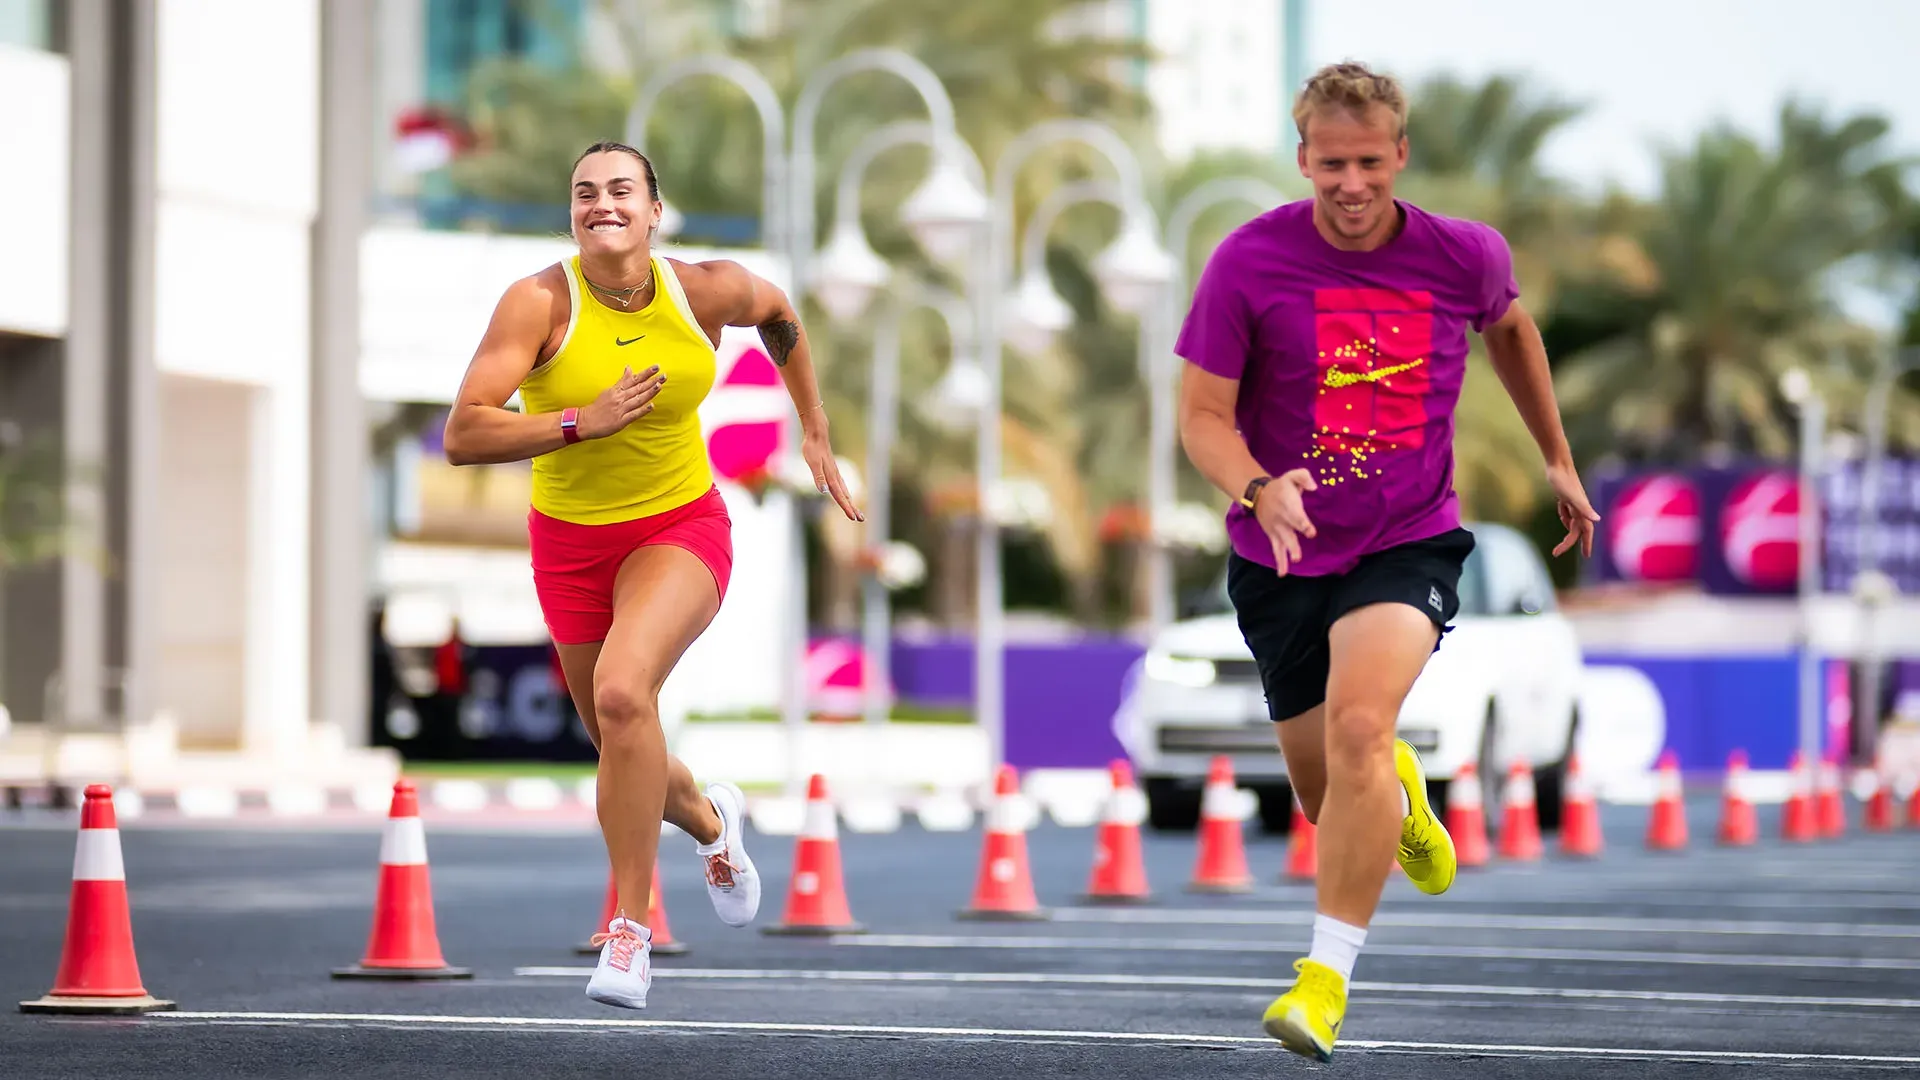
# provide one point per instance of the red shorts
(574, 565)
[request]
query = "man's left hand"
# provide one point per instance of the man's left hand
(1576, 513)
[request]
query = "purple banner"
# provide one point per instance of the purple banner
(1735, 530)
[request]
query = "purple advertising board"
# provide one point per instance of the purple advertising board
(1734, 530)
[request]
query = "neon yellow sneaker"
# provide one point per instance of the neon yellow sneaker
(1306, 1019)
(1426, 850)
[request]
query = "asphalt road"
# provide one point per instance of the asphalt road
(1773, 961)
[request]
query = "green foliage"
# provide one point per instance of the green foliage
(33, 506)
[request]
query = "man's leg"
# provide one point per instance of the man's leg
(1303, 746)
(1376, 651)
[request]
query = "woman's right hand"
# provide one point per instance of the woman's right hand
(621, 404)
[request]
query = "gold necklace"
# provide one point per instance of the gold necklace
(627, 299)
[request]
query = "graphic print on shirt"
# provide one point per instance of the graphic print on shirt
(1374, 372)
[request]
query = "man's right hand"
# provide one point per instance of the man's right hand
(621, 404)
(1282, 515)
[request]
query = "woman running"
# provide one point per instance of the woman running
(612, 352)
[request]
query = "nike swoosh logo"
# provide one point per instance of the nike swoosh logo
(1337, 378)
(629, 341)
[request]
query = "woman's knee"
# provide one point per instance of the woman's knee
(623, 706)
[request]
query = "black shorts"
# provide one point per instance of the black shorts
(1285, 620)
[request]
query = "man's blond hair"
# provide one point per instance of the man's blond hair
(1351, 87)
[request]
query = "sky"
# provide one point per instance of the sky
(1649, 70)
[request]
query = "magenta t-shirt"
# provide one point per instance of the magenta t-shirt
(1350, 364)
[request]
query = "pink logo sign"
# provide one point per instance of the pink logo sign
(1760, 530)
(746, 446)
(1655, 529)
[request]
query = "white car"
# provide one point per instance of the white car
(1502, 689)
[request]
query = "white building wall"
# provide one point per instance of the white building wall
(1218, 84)
(34, 168)
(238, 131)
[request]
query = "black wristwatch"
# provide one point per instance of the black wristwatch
(1252, 494)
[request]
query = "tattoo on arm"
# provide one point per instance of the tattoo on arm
(780, 336)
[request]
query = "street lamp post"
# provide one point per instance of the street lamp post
(1160, 370)
(773, 126)
(939, 212)
(847, 271)
(941, 197)
(1798, 389)
(882, 426)
(1038, 310)
(1872, 588)
(1127, 258)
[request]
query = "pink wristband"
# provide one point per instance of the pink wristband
(570, 425)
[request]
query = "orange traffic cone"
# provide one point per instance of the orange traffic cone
(1797, 821)
(1667, 827)
(98, 971)
(1119, 872)
(403, 943)
(1880, 814)
(1739, 823)
(1580, 832)
(1520, 818)
(817, 897)
(1467, 817)
(1003, 890)
(1303, 846)
(655, 922)
(1222, 863)
(1830, 808)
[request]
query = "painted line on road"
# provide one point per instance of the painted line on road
(1465, 952)
(1229, 982)
(1558, 924)
(1138, 1037)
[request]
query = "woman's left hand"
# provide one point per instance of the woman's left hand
(826, 472)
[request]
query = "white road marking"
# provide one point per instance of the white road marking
(1231, 982)
(1557, 924)
(1475, 952)
(1168, 1038)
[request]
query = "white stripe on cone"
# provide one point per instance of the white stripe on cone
(819, 823)
(404, 843)
(97, 856)
(1127, 807)
(1010, 814)
(1464, 792)
(1520, 789)
(1227, 803)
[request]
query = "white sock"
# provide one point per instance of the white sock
(1336, 944)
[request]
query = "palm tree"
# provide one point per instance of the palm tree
(1742, 242)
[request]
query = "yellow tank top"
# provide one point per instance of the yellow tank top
(658, 462)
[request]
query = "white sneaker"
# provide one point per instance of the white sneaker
(732, 882)
(625, 972)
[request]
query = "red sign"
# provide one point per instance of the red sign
(1654, 529)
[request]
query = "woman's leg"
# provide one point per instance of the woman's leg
(663, 598)
(686, 806)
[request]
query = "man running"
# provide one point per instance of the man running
(1327, 342)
